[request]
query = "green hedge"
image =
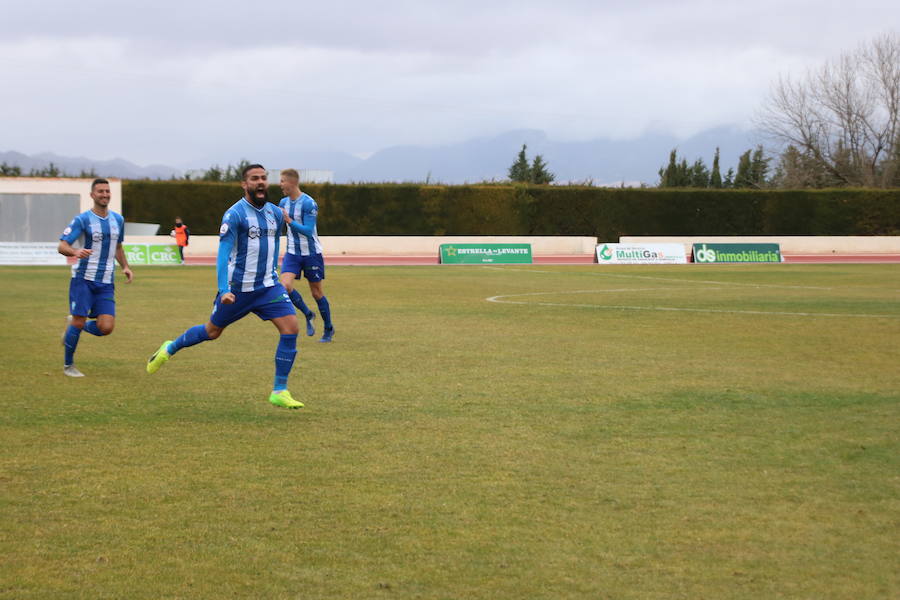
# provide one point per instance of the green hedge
(401, 209)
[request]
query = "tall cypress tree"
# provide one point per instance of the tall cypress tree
(715, 177)
(539, 172)
(520, 171)
(759, 168)
(668, 175)
(744, 177)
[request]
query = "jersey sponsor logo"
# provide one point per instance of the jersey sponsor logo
(223, 229)
(97, 236)
(253, 232)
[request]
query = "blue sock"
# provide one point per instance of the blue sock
(325, 311)
(297, 299)
(192, 336)
(92, 328)
(284, 360)
(71, 342)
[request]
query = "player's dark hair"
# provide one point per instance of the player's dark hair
(248, 167)
(97, 182)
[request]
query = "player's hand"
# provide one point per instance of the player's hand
(128, 274)
(287, 217)
(82, 253)
(227, 298)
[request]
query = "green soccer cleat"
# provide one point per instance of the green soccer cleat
(159, 358)
(284, 399)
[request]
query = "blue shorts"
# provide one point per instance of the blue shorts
(312, 267)
(268, 303)
(90, 298)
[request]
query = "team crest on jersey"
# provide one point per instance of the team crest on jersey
(253, 232)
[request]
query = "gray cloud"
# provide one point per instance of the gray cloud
(177, 82)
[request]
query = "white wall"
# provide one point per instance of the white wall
(207, 245)
(50, 185)
(37, 209)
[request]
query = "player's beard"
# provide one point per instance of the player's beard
(257, 200)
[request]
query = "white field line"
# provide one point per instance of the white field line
(725, 283)
(502, 299)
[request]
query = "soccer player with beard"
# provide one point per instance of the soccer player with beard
(247, 282)
(92, 289)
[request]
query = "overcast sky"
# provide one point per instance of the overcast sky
(182, 83)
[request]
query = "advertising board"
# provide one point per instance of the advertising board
(640, 254)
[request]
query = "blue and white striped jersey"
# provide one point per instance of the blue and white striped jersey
(249, 236)
(302, 240)
(101, 235)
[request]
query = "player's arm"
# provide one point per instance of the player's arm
(282, 208)
(187, 235)
(69, 235)
(123, 260)
(227, 238)
(306, 228)
(278, 231)
(66, 249)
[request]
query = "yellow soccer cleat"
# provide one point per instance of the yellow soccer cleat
(159, 358)
(284, 399)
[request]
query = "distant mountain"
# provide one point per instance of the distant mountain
(601, 161)
(284, 158)
(74, 166)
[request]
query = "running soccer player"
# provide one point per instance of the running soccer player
(92, 293)
(304, 252)
(247, 282)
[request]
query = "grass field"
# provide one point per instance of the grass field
(590, 432)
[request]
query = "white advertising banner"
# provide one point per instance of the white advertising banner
(30, 253)
(641, 254)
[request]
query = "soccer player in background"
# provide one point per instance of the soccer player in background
(304, 252)
(247, 282)
(92, 293)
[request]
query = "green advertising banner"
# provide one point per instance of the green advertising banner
(164, 254)
(152, 254)
(136, 254)
(477, 254)
(737, 253)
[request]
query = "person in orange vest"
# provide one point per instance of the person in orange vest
(181, 234)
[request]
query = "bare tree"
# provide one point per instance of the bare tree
(844, 117)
